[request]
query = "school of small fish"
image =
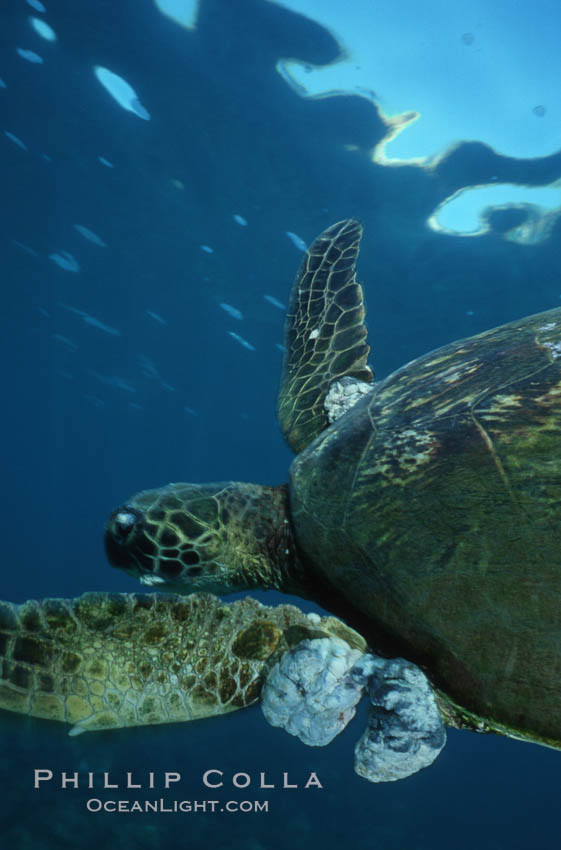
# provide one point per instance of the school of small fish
(125, 96)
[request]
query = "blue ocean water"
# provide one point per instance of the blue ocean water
(126, 234)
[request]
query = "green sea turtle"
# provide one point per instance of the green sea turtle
(421, 509)
(426, 515)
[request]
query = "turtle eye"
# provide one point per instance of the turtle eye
(124, 536)
(124, 522)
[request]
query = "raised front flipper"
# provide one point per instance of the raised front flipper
(325, 335)
(111, 660)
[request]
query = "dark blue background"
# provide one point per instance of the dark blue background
(226, 126)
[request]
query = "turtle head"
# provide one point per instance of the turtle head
(217, 538)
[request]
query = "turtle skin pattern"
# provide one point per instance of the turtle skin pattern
(111, 660)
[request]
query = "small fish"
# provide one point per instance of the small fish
(280, 347)
(113, 381)
(46, 157)
(71, 346)
(239, 219)
(37, 5)
(29, 56)
(148, 367)
(297, 241)
(90, 235)
(233, 311)
(121, 91)
(242, 341)
(135, 405)
(207, 249)
(44, 312)
(66, 261)
(105, 162)
(190, 410)
(156, 317)
(121, 384)
(149, 370)
(43, 29)
(64, 374)
(15, 140)
(25, 248)
(95, 323)
(91, 320)
(3, 85)
(274, 301)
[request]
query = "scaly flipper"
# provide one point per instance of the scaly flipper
(105, 661)
(111, 660)
(325, 335)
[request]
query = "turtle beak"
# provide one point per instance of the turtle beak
(123, 539)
